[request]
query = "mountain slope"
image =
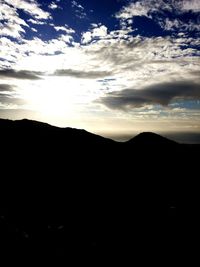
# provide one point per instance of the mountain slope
(35, 129)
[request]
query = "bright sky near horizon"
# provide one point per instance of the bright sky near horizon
(109, 66)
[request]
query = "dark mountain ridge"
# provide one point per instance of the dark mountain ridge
(25, 125)
(67, 193)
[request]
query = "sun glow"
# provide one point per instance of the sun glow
(50, 97)
(59, 96)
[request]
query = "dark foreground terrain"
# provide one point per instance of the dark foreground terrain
(71, 197)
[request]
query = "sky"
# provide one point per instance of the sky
(112, 67)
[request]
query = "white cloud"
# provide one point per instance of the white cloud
(15, 53)
(66, 38)
(99, 32)
(133, 9)
(155, 9)
(120, 34)
(53, 5)
(31, 7)
(148, 7)
(190, 5)
(86, 37)
(177, 24)
(39, 47)
(136, 61)
(11, 29)
(143, 8)
(38, 22)
(34, 29)
(10, 14)
(94, 25)
(65, 28)
(11, 24)
(169, 25)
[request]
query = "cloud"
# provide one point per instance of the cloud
(21, 74)
(11, 29)
(66, 38)
(11, 24)
(94, 25)
(65, 28)
(14, 53)
(86, 37)
(148, 7)
(82, 74)
(10, 100)
(77, 5)
(99, 32)
(37, 22)
(157, 10)
(34, 30)
(169, 25)
(133, 61)
(144, 8)
(189, 5)
(8, 97)
(6, 88)
(134, 9)
(10, 14)
(140, 58)
(161, 94)
(177, 24)
(31, 7)
(79, 10)
(136, 61)
(53, 5)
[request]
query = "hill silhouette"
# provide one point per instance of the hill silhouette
(148, 138)
(67, 193)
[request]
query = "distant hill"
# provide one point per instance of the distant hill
(66, 192)
(148, 138)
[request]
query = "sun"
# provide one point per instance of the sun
(62, 99)
(52, 97)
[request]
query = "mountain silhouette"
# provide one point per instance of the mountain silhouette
(23, 127)
(148, 138)
(39, 129)
(70, 194)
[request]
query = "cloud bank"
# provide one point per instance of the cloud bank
(22, 74)
(162, 94)
(82, 74)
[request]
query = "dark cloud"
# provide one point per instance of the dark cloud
(7, 99)
(6, 87)
(21, 74)
(162, 94)
(82, 74)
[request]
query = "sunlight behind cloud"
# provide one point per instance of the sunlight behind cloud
(59, 96)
